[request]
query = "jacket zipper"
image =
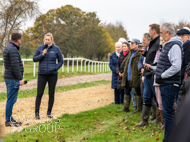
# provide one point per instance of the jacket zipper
(47, 62)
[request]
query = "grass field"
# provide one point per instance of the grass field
(28, 71)
(104, 124)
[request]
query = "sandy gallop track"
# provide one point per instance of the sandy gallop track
(73, 101)
(64, 81)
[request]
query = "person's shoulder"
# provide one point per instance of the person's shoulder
(12, 49)
(55, 47)
(113, 54)
(8, 47)
(40, 46)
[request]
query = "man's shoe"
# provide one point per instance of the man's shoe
(18, 122)
(13, 124)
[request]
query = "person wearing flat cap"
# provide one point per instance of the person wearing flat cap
(184, 34)
(131, 77)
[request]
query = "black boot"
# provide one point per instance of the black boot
(49, 114)
(145, 116)
(138, 102)
(127, 100)
(37, 116)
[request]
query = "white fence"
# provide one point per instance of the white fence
(93, 66)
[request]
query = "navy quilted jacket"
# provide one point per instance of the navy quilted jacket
(47, 63)
(13, 64)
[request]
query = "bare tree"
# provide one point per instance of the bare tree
(13, 14)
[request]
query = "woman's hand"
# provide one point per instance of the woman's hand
(44, 52)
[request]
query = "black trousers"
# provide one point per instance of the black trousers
(42, 80)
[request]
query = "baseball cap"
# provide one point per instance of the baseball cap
(135, 40)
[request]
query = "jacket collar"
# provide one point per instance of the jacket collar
(50, 46)
(153, 41)
(12, 44)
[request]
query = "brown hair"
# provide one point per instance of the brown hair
(155, 27)
(126, 44)
(15, 37)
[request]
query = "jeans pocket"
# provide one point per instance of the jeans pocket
(16, 84)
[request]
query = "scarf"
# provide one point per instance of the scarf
(125, 52)
(117, 53)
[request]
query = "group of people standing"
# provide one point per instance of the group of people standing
(154, 71)
(50, 60)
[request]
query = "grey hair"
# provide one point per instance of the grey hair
(147, 36)
(122, 40)
(169, 27)
(118, 43)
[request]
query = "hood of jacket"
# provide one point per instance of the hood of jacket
(175, 38)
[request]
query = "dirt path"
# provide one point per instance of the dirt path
(64, 81)
(71, 102)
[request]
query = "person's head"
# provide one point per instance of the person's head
(184, 34)
(122, 40)
(48, 38)
(146, 39)
(16, 38)
(125, 46)
(162, 41)
(118, 47)
(154, 30)
(167, 31)
(135, 44)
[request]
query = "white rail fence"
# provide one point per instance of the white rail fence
(86, 65)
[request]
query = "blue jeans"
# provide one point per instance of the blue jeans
(168, 93)
(12, 93)
(149, 90)
(132, 95)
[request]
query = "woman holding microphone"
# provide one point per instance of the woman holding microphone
(47, 54)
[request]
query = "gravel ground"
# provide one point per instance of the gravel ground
(63, 81)
(73, 101)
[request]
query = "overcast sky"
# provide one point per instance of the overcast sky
(136, 15)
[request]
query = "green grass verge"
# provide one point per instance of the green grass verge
(33, 92)
(104, 124)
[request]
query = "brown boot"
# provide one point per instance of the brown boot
(127, 100)
(158, 119)
(162, 120)
(153, 111)
(138, 102)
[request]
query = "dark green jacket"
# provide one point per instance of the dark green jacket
(135, 77)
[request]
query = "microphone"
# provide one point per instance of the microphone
(46, 46)
(25, 82)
